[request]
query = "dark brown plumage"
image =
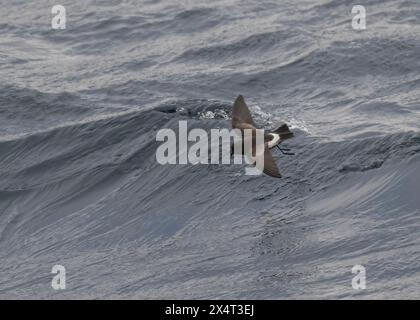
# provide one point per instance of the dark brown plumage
(242, 119)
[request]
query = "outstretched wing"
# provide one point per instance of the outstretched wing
(270, 166)
(241, 114)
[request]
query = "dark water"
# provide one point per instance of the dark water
(80, 185)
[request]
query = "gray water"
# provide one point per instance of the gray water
(79, 181)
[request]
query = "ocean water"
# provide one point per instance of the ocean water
(80, 185)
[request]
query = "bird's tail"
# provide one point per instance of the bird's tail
(284, 132)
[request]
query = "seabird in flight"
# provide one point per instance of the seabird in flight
(242, 119)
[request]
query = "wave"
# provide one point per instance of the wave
(96, 186)
(79, 181)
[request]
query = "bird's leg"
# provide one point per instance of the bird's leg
(285, 149)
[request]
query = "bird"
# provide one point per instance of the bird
(242, 119)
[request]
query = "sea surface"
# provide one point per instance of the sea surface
(80, 185)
